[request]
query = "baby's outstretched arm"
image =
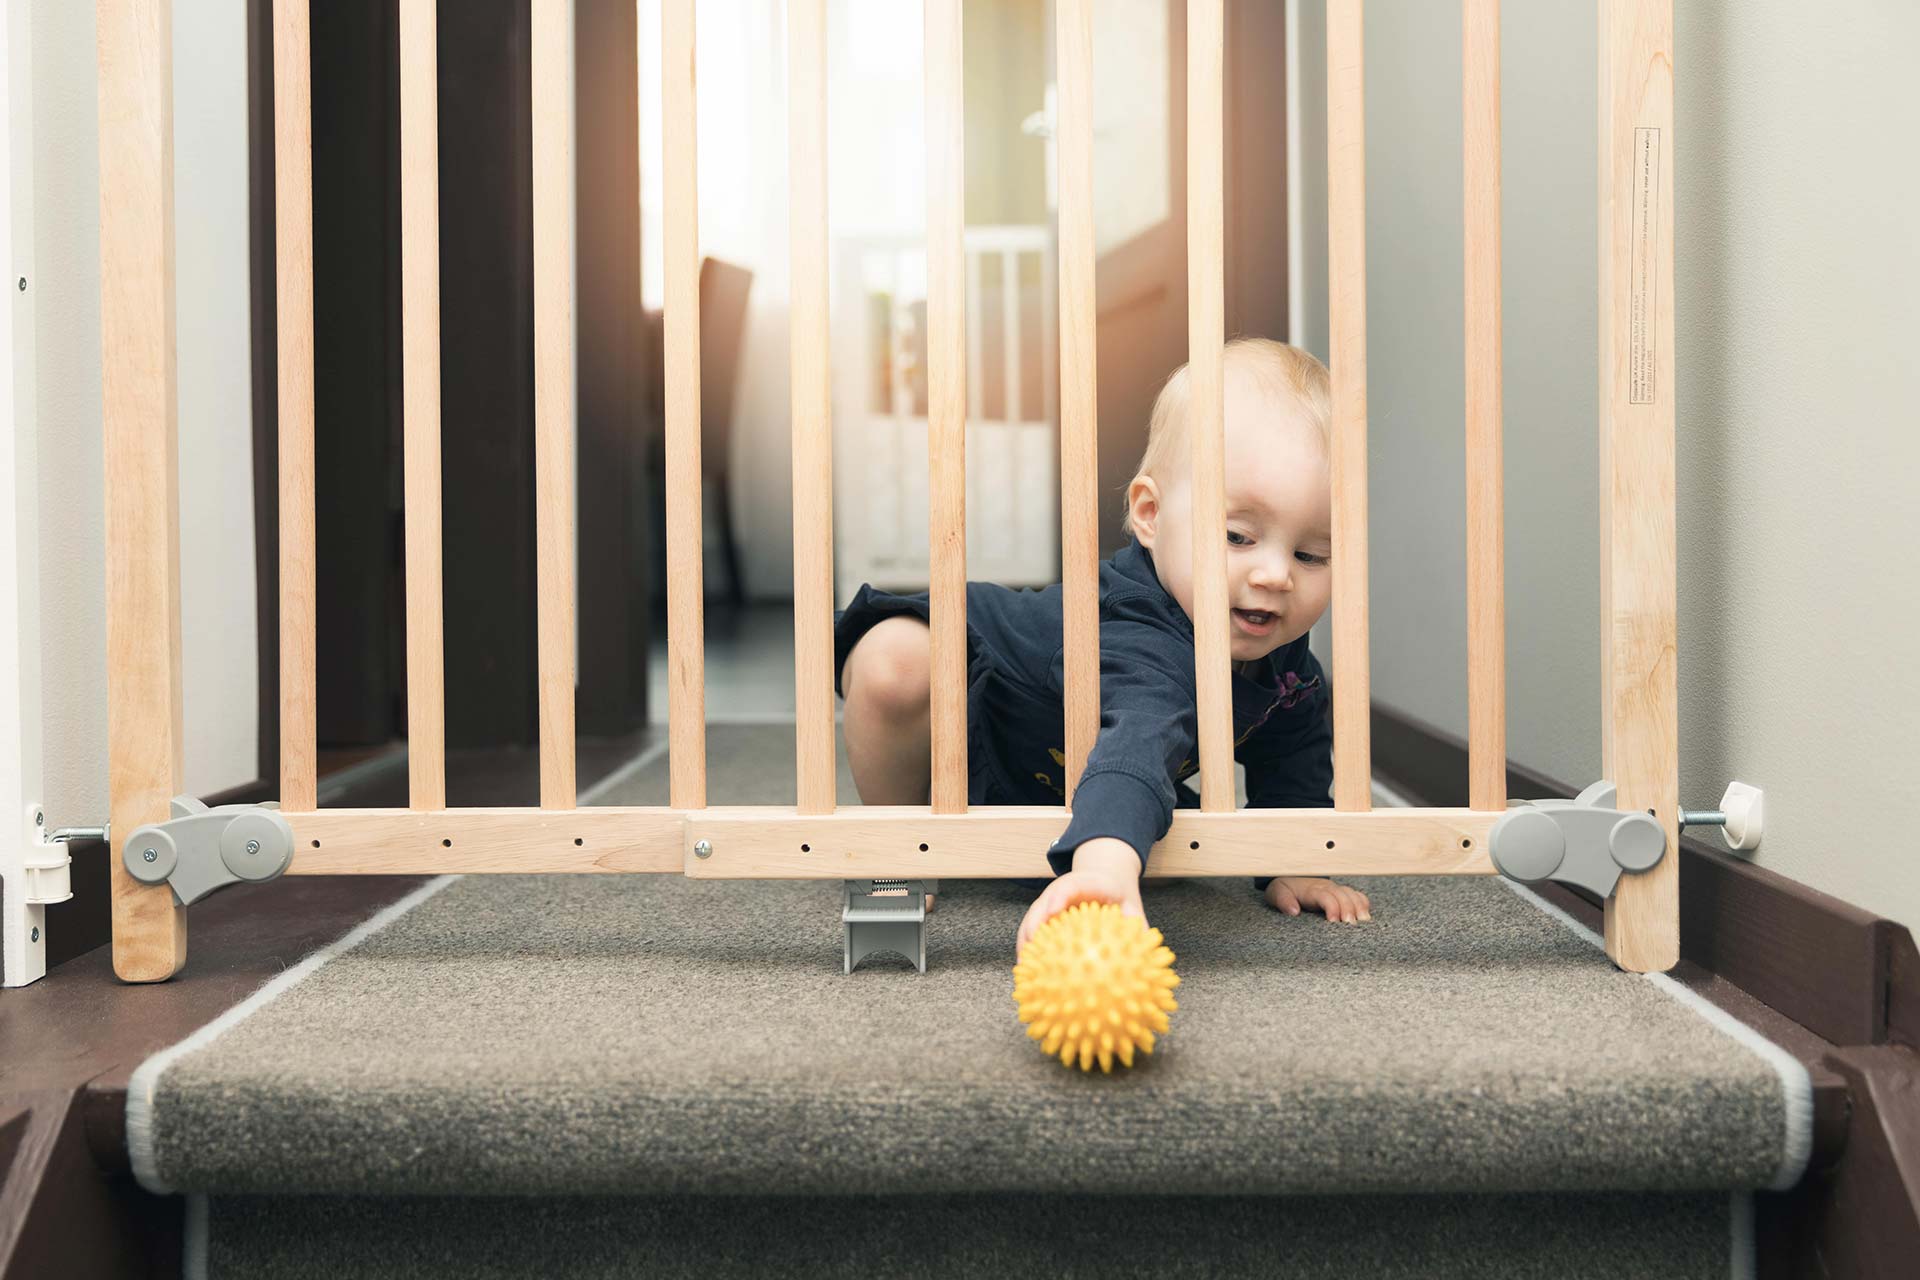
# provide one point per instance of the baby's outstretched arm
(1104, 870)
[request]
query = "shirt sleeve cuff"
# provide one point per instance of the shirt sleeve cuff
(1111, 804)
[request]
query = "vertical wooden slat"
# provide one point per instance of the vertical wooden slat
(1486, 556)
(293, 327)
(1347, 322)
(1206, 336)
(553, 415)
(812, 408)
(420, 356)
(141, 494)
(686, 566)
(1079, 441)
(1638, 572)
(947, 402)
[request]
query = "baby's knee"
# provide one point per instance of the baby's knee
(887, 671)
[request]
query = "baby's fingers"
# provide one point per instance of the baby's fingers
(1044, 908)
(1282, 898)
(1349, 905)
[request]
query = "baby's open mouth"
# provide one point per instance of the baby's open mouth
(1256, 620)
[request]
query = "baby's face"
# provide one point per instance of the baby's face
(1279, 527)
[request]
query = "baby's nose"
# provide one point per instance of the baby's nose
(1270, 572)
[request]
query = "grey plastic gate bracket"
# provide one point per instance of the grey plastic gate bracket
(885, 915)
(1584, 841)
(199, 849)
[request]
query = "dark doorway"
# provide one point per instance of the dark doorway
(486, 282)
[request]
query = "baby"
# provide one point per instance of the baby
(1279, 547)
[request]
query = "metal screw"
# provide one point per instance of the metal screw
(253, 846)
(1702, 818)
(702, 849)
(39, 818)
(36, 934)
(151, 855)
(23, 284)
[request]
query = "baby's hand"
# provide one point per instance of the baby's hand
(1104, 870)
(1338, 901)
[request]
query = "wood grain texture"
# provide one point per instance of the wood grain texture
(420, 359)
(1638, 570)
(778, 842)
(482, 841)
(812, 406)
(1206, 397)
(947, 401)
(293, 327)
(141, 489)
(553, 393)
(1486, 545)
(1079, 388)
(996, 841)
(686, 565)
(1347, 321)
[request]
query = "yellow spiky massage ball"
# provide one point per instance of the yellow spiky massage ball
(1093, 985)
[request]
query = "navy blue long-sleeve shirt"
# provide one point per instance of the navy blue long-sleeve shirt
(1146, 743)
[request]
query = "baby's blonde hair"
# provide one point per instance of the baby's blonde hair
(1279, 371)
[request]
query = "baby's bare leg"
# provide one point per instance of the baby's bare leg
(888, 721)
(888, 716)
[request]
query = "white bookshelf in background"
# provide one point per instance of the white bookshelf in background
(880, 411)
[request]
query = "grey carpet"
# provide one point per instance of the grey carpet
(746, 764)
(651, 1035)
(1604, 1236)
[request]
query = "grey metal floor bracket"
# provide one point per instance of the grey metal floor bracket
(1584, 841)
(199, 849)
(885, 915)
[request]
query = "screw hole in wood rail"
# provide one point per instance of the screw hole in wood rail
(316, 844)
(446, 844)
(923, 848)
(577, 842)
(1193, 844)
(1329, 844)
(1466, 844)
(806, 848)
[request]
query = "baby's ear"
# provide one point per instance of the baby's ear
(1143, 508)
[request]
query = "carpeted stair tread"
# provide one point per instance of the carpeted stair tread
(643, 1035)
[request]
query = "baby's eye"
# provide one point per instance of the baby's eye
(1237, 539)
(1307, 557)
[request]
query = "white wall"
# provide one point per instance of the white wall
(211, 272)
(1798, 300)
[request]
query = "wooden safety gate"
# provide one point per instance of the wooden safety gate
(814, 839)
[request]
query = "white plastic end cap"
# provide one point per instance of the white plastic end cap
(1745, 808)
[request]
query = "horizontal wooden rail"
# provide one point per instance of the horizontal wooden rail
(463, 841)
(770, 842)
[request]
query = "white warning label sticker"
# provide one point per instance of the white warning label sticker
(1645, 265)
